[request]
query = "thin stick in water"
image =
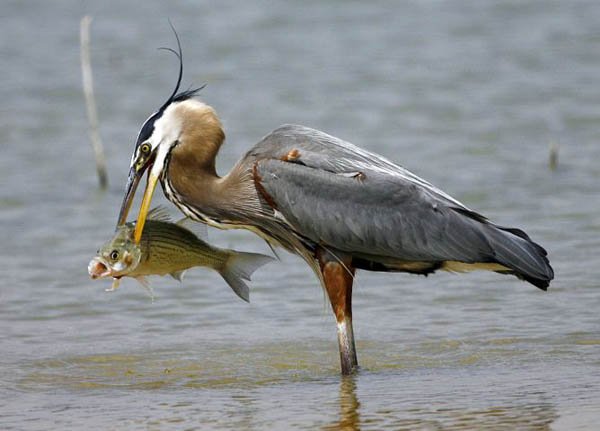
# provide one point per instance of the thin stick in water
(553, 159)
(88, 92)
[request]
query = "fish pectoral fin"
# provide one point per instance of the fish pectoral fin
(178, 275)
(115, 285)
(197, 228)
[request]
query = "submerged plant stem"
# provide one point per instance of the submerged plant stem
(88, 92)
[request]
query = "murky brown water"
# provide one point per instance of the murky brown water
(466, 94)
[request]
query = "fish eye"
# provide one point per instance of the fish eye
(114, 255)
(145, 148)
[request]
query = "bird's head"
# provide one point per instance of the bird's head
(180, 120)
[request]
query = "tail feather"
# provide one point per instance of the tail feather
(526, 259)
(512, 248)
(239, 267)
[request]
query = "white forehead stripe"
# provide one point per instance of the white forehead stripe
(167, 128)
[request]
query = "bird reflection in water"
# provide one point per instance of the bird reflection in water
(349, 416)
(441, 415)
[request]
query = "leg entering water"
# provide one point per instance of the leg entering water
(347, 348)
(338, 276)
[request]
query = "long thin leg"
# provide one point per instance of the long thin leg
(338, 277)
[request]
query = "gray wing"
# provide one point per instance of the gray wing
(325, 152)
(346, 198)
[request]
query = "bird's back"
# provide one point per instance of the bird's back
(337, 195)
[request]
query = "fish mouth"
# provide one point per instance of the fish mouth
(97, 268)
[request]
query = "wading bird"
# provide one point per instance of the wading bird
(339, 207)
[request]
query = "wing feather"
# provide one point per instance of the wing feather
(344, 197)
(378, 215)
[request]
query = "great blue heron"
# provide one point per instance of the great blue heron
(339, 207)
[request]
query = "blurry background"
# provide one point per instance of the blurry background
(469, 95)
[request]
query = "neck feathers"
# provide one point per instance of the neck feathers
(200, 138)
(192, 181)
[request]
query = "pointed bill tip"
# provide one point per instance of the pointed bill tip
(130, 188)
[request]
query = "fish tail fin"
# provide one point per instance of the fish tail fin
(239, 267)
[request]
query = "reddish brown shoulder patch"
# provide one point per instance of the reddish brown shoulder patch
(259, 187)
(291, 155)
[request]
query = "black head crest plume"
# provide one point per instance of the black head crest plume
(178, 97)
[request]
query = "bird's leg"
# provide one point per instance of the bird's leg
(338, 275)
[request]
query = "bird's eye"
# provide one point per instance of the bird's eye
(114, 255)
(145, 148)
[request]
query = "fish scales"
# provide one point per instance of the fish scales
(187, 245)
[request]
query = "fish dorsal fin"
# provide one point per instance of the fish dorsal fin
(197, 228)
(159, 213)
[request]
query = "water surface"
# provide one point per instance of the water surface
(469, 95)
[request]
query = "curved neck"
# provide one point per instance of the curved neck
(199, 139)
(194, 180)
(196, 154)
(191, 174)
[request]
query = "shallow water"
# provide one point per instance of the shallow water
(469, 95)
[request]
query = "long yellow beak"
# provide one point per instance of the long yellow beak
(153, 177)
(145, 206)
